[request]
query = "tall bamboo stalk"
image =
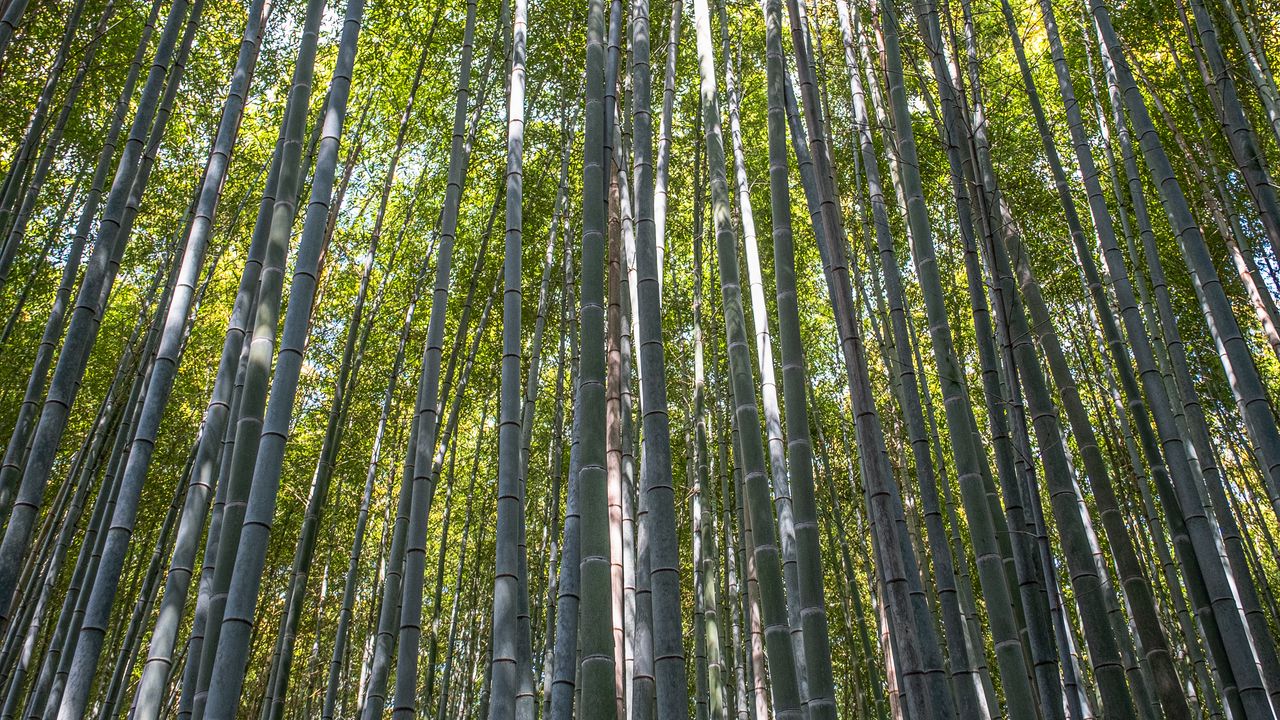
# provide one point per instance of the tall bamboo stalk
(765, 549)
(86, 315)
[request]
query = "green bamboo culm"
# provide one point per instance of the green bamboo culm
(595, 634)
(249, 474)
(765, 549)
(820, 700)
(659, 537)
(427, 420)
(86, 315)
(233, 649)
(511, 676)
(165, 368)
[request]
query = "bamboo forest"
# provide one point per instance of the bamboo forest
(639, 359)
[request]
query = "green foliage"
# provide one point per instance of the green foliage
(393, 36)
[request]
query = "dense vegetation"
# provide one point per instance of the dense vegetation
(639, 360)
